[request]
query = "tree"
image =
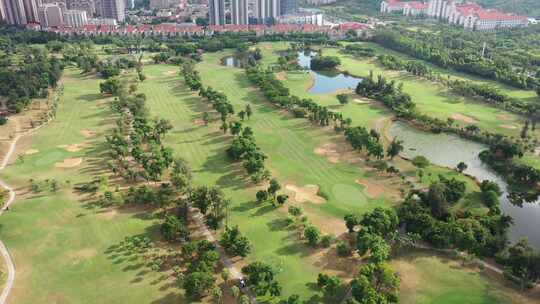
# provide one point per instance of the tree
(244, 300)
(197, 284)
(375, 245)
(224, 127)
(351, 221)
(261, 278)
(420, 161)
(437, 200)
(217, 295)
(225, 275)
(262, 196)
(174, 229)
(376, 283)
(343, 98)
(206, 118)
(395, 147)
(248, 110)
(330, 284)
(282, 199)
(274, 187)
(461, 167)
(234, 242)
(236, 128)
(313, 235)
(242, 115)
(110, 86)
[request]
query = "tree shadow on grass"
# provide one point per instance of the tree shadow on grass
(279, 224)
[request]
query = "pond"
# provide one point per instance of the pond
(327, 81)
(448, 150)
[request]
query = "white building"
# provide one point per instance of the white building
(102, 21)
(50, 15)
(239, 12)
(267, 11)
(321, 2)
(114, 9)
(316, 19)
(75, 18)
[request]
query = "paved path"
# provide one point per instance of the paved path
(3, 250)
(235, 273)
(12, 195)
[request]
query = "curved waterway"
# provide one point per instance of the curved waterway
(327, 81)
(448, 150)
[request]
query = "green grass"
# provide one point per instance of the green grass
(429, 278)
(288, 142)
(60, 244)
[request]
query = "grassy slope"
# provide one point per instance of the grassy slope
(61, 245)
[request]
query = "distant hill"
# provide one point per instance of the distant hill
(529, 8)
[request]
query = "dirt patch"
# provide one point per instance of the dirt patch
(510, 127)
(73, 147)
(108, 214)
(82, 254)
(411, 279)
(199, 122)
(308, 193)
(69, 163)
(504, 117)
(281, 76)
(88, 133)
(371, 190)
(331, 151)
(31, 151)
(464, 118)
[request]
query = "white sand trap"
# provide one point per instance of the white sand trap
(361, 101)
(464, 118)
(69, 163)
(537, 151)
(371, 190)
(510, 127)
(31, 151)
(308, 193)
(73, 147)
(88, 133)
(171, 73)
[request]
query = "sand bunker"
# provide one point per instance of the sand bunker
(370, 189)
(69, 163)
(537, 151)
(511, 127)
(171, 73)
(73, 147)
(88, 133)
(31, 151)
(308, 193)
(199, 122)
(281, 76)
(361, 101)
(464, 118)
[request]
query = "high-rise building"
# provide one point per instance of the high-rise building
(31, 10)
(217, 12)
(267, 10)
(75, 18)
(288, 7)
(239, 12)
(114, 9)
(50, 15)
(14, 12)
(84, 5)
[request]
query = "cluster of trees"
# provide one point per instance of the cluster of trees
(522, 264)
(448, 49)
(202, 260)
(430, 216)
(360, 138)
(212, 203)
(319, 63)
(358, 50)
(416, 68)
(261, 278)
(234, 243)
(28, 77)
(376, 282)
(389, 93)
(244, 148)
